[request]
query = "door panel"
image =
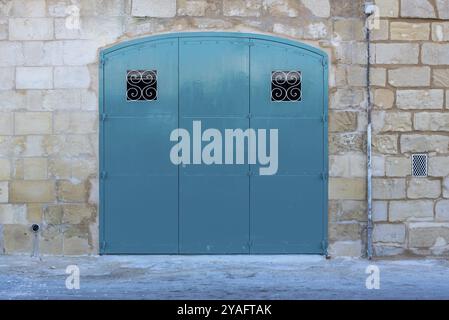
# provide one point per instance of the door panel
(287, 208)
(140, 190)
(214, 89)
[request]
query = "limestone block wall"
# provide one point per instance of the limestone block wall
(49, 111)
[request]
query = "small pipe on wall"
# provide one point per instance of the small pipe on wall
(370, 10)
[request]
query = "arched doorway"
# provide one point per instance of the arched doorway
(193, 82)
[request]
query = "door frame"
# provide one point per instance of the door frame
(103, 56)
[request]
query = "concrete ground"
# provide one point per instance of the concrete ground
(220, 277)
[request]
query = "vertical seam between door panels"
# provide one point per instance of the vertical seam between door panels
(249, 164)
(179, 187)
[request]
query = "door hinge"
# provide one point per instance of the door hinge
(324, 175)
(103, 117)
(324, 62)
(103, 175)
(324, 248)
(102, 60)
(324, 118)
(103, 246)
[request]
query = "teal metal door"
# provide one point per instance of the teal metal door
(212, 82)
(213, 199)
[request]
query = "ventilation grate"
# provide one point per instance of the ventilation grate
(419, 165)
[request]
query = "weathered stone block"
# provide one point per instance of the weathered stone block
(12, 54)
(440, 31)
(428, 234)
(53, 214)
(71, 77)
(346, 248)
(32, 191)
(409, 31)
(356, 76)
(75, 122)
(344, 121)
(347, 210)
(33, 123)
(346, 188)
(411, 210)
(385, 143)
(432, 121)
(350, 165)
(378, 166)
(77, 213)
(417, 9)
(380, 211)
(423, 188)
(319, 8)
(387, 189)
(442, 210)
(6, 123)
(4, 191)
(392, 121)
(34, 78)
(440, 78)
(424, 143)
(40, 53)
(388, 8)
(196, 8)
(346, 142)
(35, 168)
(398, 166)
(7, 78)
(420, 99)
(17, 238)
(51, 240)
(27, 8)
(438, 166)
(378, 77)
(443, 9)
(409, 77)
(242, 8)
(384, 98)
(31, 29)
(71, 192)
(347, 98)
(396, 53)
(381, 33)
(446, 187)
(34, 212)
(435, 54)
(13, 214)
(385, 250)
(5, 169)
(389, 233)
(345, 231)
(349, 29)
(79, 52)
(154, 8)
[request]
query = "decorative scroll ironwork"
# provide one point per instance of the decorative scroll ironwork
(141, 85)
(286, 86)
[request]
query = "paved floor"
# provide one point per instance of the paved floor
(220, 277)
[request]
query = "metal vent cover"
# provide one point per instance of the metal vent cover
(419, 164)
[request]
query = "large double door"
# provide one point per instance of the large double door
(220, 82)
